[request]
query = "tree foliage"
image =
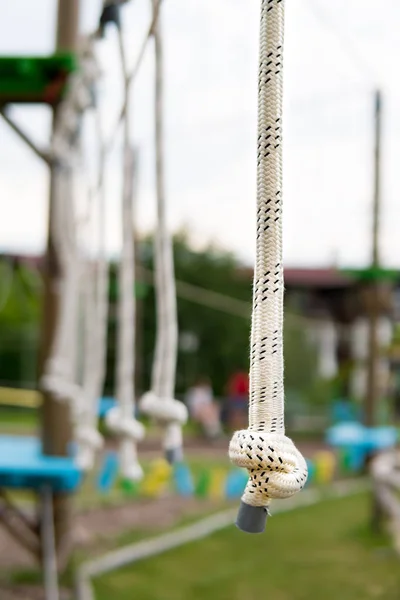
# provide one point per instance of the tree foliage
(19, 322)
(222, 338)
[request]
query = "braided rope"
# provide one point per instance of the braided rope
(121, 419)
(95, 288)
(60, 377)
(160, 403)
(275, 466)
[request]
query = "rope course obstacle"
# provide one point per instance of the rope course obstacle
(276, 468)
(269, 466)
(69, 81)
(159, 403)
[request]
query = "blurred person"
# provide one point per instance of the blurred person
(202, 407)
(238, 395)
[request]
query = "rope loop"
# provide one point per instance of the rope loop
(130, 431)
(89, 441)
(172, 415)
(164, 410)
(123, 427)
(276, 468)
(57, 381)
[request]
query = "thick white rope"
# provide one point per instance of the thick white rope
(121, 419)
(60, 377)
(276, 468)
(95, 289)
(160, 403)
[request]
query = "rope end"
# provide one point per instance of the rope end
(251, 519)
(174, 455)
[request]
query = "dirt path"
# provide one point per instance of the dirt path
(28, 592)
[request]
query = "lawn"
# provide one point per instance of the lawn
(18, 421)
(324, 552)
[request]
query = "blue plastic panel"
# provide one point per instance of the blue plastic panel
(23, 466)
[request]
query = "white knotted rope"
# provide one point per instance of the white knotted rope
(160, 403)
(276, 468)
(60, 376)
(95, 290)
(121, 419)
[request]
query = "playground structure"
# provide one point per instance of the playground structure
(275, 466)
(386, 485)
(55, 468)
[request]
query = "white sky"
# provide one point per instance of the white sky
(211, 60)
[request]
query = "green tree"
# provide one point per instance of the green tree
(223, 338)
(19, 322)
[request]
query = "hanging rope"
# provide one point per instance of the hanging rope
(121, 419)
(160, 403)
(95, 290)
(276, 468)
(60, 376)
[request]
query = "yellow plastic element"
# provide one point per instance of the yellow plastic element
(157, 480)
(325, 466)
(216, 491)
(18, 397)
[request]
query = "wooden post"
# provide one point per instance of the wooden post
(372, 394)
(55, 416)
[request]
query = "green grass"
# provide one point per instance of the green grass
(323, 552)
(20, 421)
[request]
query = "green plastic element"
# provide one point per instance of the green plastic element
(130, 488)
(373, 274)
(396, 333)
(345, 460)
(37, 79)
(203, 484)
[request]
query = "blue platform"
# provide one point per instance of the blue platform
(354, 434)
(359, 441)
(105, 404)
(23, 466)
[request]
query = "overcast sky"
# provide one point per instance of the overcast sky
(211, 57)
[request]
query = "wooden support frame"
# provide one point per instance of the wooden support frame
(24, 530)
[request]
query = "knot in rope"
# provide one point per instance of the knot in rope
(89, 443)
(123, 427)
(131, 431)
(58, 382)
(171, 414)
(276, 467)
(164, 410)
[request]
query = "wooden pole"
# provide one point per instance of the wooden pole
(55, 415)
(372, 394)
